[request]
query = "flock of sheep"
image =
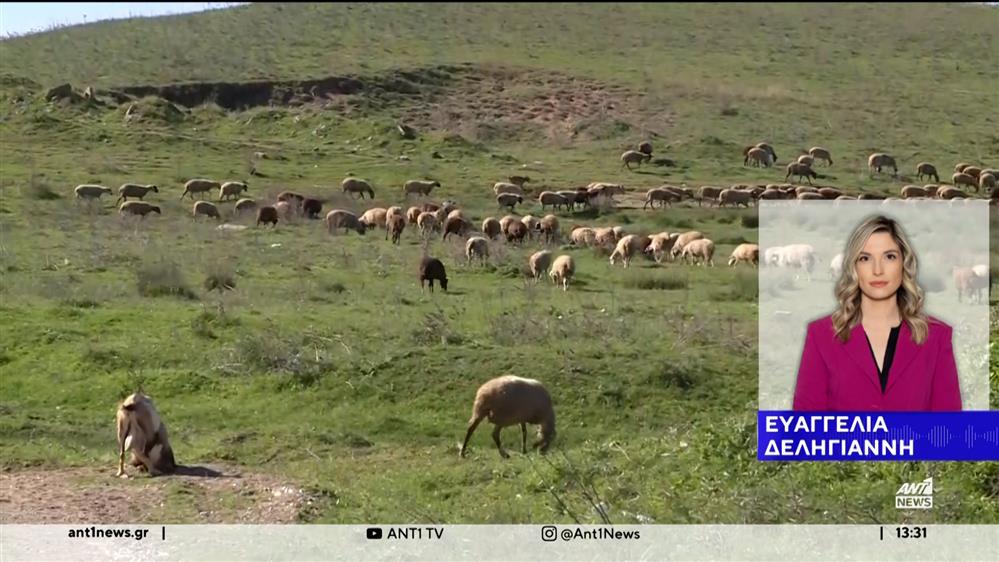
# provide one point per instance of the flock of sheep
(511, 400)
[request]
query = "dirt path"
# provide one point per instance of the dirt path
(210, 494)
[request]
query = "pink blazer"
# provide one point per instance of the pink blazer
(834, 376)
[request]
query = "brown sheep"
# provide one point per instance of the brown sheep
(141, 430)
(432, 269)
(806, 159)
(800, 171)
(491, 228)
(312, 207)
(140, 208)
(511, 400)
(413, 214)
(830, 192)
(950, 192)
(206, 208)
(267, 214)
(396, 225)
(338, 218)
(927, 169)
(910, 191)
(645, 147)
(962, 178)
(986, 181)
(455, 225)
(516, 232)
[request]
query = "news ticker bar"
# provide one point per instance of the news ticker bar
(484, 543)
(878, 436)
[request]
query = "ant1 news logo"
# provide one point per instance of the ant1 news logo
(915, 495)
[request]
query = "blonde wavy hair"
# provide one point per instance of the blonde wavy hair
(909, 295)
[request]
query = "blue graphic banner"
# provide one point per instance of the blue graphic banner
(877, 436)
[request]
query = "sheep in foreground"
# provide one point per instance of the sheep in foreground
(516, 232)
(491, 228)
(419, 187)
(91, 191)
(267, 214)
(630, 157)
(562, 270)
(962, 178)
(950, 192)
(583, 236)
(910, 191)
(830, 193)
(684, 239)
(511, 400)
(206, 208)
(819, 153)
(396, 225)
(539, 263)
(928, 170)
(134, 190)
(699, 251)
(798, 256)
(880, 160)
(375, 217)
(232, 190)
(393, 211)
(199, 186)
(339, 218)
(142, 431)
(477, 246)
(800, 171)
(660, 245)
(432, 269)
(509, 200)
(140, 208)
(353, 185)
(748, 253)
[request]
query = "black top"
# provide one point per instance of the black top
(889, 355)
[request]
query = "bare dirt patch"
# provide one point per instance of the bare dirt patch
(88, 495)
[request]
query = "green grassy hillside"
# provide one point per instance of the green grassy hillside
(327, 365)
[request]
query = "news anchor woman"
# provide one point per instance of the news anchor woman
(878, 351)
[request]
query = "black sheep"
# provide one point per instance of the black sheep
(312, 207)
(430, 269)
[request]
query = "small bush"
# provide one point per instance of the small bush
(162, 278)
(675, 374)
(751, 221)
(744, 288)
(435, 329)
(40, 190)
(667, 281)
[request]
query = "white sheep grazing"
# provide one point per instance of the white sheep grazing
(375, 217)
(394, 211)
(562, 270)
(604, 236)
(532, 223)
(748, 253)
(630, 157)
(836, 267)
(419, 187)
(231, 190)
(539, 263)
(660, 245)
(819, 153)
(734, 197)
(509, 200)
(506, 221)
(206, 208)
(491, 228)
(501, 187)
(700, 251)
(549, 227)
(684, 239)
(199, 185)
(477, 246)
(428, 223)
(91, 191)
(627, 248)
(551, 198)
(510, 400)
(353, 185)
(134, 190)
(583, 236)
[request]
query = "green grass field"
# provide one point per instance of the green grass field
(328, 367)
